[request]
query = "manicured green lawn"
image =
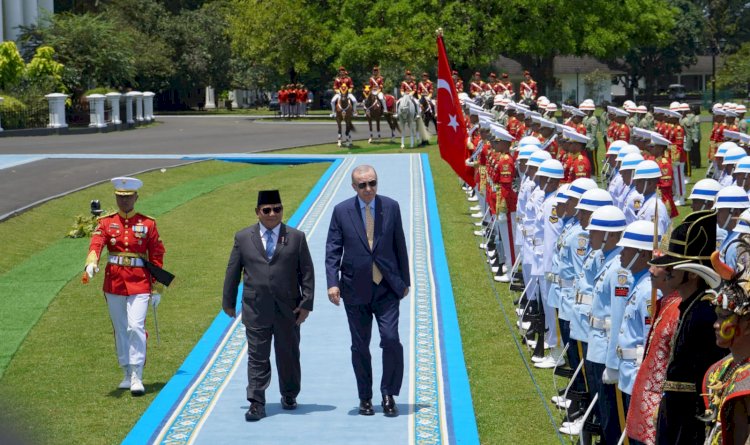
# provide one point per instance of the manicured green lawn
(60, 379)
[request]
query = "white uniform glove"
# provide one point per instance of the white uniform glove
(610, 376)
(91, 270)
(155, 300)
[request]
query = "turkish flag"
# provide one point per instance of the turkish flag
(451, 127)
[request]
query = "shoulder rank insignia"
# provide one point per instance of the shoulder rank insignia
(553, 216)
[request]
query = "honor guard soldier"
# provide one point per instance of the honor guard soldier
(632, 120)
(646, 179)
(658, 146)
(605, 230)
(592, 131)
(528, 87)
(629, 198)
(741, 122)
(587, 263)
(647, 119)
(409, 88)
(458, 82)
(131, 239)
(532, 200)
(577, 165)
(505, 86)
(629, 343)
(377, 83)
(425, 87)
(730, 203)
(491, 85)
(693, 348)
(342, 79)
(717, 130)
(620, 131)
(676, 137)
(525, 187)
(476, 87)
(611, 170)
(540, 205)
(718, 164)
(506, 198)
(727, 382)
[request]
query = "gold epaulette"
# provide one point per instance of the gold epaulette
(106, 215)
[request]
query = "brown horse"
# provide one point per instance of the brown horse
(374, 112)
(344, 112)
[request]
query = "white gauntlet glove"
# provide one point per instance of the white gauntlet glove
(610, 376)
(91, 270)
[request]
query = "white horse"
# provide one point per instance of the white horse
(407, 111)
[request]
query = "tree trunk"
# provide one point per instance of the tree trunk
(542, 69)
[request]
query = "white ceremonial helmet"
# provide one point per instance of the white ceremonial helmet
(732, 197)
(631, 161)
(539, 156)
(743, 166)
(743, 223)
(551, 168)
(581, 186)
(594, 199)
(647, 170)
(608, 219)
(707, 189)
(525, 152)
(734, 155)
(638, 235)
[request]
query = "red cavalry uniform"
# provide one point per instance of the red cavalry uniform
(649, 382)
(678, 140)
(580, 129)
(490, 186)
(476, 88)
(610, 133)
(577, 166)
(376, 82)
(459, 86)
(408, 87)
(129, 239)
(665, 184)
(343, 80)
(528, 88)
(283, 96)
(506, 86)
(424, 88)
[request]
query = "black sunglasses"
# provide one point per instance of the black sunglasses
(276, 209)
(372, 184)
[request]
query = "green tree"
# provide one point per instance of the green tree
(11, 65)
(736, 70)
(43, 70)
(285, 35)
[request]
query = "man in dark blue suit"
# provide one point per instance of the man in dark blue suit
(367, 265)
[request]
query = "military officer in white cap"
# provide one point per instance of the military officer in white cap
(131, 239)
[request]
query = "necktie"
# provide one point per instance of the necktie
(370, 228)
(269, 244)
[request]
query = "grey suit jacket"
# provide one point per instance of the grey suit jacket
(286, 282)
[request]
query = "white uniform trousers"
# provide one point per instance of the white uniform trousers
(128, 315)
(678, 181)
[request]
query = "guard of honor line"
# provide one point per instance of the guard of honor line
(647, 321)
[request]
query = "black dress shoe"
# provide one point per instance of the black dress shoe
(288, 402)
(365, 407)
(256, 412)
(389, 407)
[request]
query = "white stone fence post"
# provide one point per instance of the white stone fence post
(114, 103)
(148, 106)
(57, 110)
(129, 107)
(1, 102)
(96, 111)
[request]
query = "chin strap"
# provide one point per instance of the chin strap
(635, 258)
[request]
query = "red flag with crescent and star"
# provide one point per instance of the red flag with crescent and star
(451, 127)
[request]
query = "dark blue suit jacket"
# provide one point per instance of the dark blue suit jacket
(349, 257)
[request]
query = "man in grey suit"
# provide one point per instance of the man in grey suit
(276, 298)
